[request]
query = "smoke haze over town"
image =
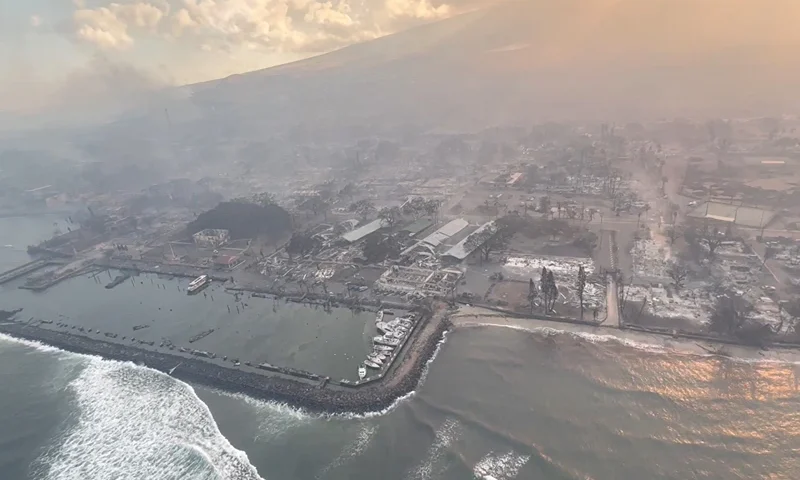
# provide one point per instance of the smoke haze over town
(399, 239)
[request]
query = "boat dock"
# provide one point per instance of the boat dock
(26, 269)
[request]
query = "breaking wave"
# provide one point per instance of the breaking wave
(38, 346)
(610, 338)
(137, 423)
(133, 422)
(586, 336)
(500, 467)
(445, 436)
(352, 450)
(274, 418)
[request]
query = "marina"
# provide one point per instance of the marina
(299, 388)
(237, 325)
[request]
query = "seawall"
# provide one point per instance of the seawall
(311, 396)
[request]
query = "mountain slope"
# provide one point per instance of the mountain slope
(539, 59)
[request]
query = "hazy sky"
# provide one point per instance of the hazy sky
(45, 42)
(56, 52)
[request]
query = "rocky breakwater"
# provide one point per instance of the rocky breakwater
(8, 314)
(312, 396)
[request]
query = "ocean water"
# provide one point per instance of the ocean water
(494, 404)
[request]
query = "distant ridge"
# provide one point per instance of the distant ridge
(541, 59)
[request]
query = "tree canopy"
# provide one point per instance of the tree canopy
(243, 220)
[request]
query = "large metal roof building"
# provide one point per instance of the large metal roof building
(441, 235)
(362, 231)
(462, 250)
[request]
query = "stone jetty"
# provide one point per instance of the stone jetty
(280, 385)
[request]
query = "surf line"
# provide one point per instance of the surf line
(317, 395)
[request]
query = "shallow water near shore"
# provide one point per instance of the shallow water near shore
(496, 403)
(157, 309)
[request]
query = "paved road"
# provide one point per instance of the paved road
(612, 304)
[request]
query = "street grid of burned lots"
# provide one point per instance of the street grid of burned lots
(550, 219)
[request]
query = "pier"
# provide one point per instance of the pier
(27, 269)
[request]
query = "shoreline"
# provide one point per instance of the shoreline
(315, 396)
(323, 396)
(476, 317)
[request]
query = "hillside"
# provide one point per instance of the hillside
(537, 59)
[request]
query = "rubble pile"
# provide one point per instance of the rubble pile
(565, 270)
(649, 259)
(694, 305)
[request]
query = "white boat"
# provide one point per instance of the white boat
(384, 327)
(383, 348)
(374, 359)
(198, 283)
(362, 372)
(381, 340)
(371, 364)
(379, 317)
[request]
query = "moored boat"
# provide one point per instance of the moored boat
(198, 284)
(383, 340)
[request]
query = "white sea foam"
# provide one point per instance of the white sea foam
(643, 346)
(589, 337)
(445, 436)
(38, 346)
(353, 449)
(137, 423)
(274, 418)
(500, 467)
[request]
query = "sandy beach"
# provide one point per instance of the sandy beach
(476, 317)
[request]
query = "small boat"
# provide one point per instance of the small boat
(198, 283)
(379, 317)
(383, 348)
(383, 340)
(372, 364)
(384, 327)
(362, 372)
